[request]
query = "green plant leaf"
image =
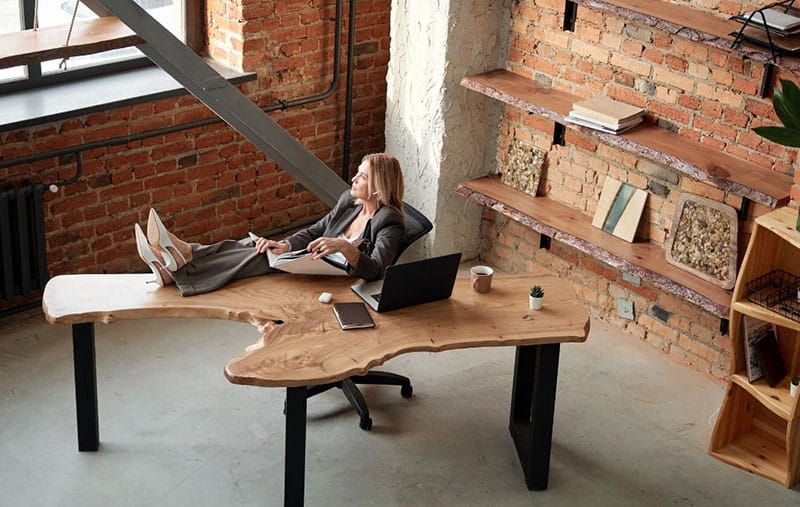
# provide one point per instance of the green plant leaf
(780, 135)
(786, 102)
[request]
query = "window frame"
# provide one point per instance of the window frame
(35, 79)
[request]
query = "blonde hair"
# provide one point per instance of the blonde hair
(386, 179)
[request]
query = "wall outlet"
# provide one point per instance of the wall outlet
(625, 308)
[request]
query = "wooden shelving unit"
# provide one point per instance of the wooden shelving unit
(689, 23)
(699, 161)
(557, 221)
(92, 36)
(758, 428)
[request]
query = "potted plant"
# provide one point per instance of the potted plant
(786, 103)
(793, 385)
(535, 298)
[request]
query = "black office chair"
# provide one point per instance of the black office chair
(416, 226)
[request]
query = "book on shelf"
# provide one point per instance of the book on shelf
(771, 360)
(773, 18)
(579, 119)
(754, 330)
(610, 113)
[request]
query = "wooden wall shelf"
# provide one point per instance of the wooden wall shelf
(92, 36)
(559, 222)
(751, 309)
(697, 160)
(689, 23)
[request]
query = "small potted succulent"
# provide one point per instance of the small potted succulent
(535, 297)
(793, 385)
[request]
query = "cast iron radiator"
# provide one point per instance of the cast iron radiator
(23, 256)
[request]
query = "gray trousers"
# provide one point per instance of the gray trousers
(213, 266)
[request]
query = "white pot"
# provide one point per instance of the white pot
(534, 303)
(793, 389)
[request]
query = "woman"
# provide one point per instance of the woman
(365, 225)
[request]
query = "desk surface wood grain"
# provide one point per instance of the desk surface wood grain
(302, 342)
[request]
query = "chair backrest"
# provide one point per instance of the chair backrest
(417, 225)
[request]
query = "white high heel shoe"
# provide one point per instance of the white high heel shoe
(147, 255)
(157, 234)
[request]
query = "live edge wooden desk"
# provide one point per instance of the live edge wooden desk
(303, 345)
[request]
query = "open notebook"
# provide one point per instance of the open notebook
(300, 262)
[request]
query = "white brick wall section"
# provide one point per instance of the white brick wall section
(440, 132)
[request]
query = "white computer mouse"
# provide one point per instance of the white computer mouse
(325, 297)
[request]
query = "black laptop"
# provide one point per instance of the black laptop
(412, 283)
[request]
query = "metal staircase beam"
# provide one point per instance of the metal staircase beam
(227, 102)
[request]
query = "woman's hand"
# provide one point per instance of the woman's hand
(321, 247)
(278, 247)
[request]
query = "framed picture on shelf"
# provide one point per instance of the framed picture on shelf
(523, 167)
(619, 209)
(703, 239)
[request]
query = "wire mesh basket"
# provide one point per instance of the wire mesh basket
(778, 291)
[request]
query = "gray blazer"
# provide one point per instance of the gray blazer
(382, 236)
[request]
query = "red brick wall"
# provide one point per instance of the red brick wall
(209, 183)
(706, 94)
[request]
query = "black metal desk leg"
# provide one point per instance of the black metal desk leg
(85, 386)
(533, 401)
(295, 463)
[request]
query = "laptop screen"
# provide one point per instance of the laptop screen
(413, 283)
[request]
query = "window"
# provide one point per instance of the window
(17, 15)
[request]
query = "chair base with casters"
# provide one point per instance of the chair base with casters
(354, 396)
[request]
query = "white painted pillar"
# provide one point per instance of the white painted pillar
(440, 132)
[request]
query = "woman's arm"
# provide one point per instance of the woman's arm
(384, 236)
(386, 242)
(321, 247)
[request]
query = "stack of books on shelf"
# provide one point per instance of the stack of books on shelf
(778, 21)
(605, 115)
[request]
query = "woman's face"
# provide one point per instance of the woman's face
(360, 186)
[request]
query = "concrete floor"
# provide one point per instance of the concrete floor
(631, 427)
